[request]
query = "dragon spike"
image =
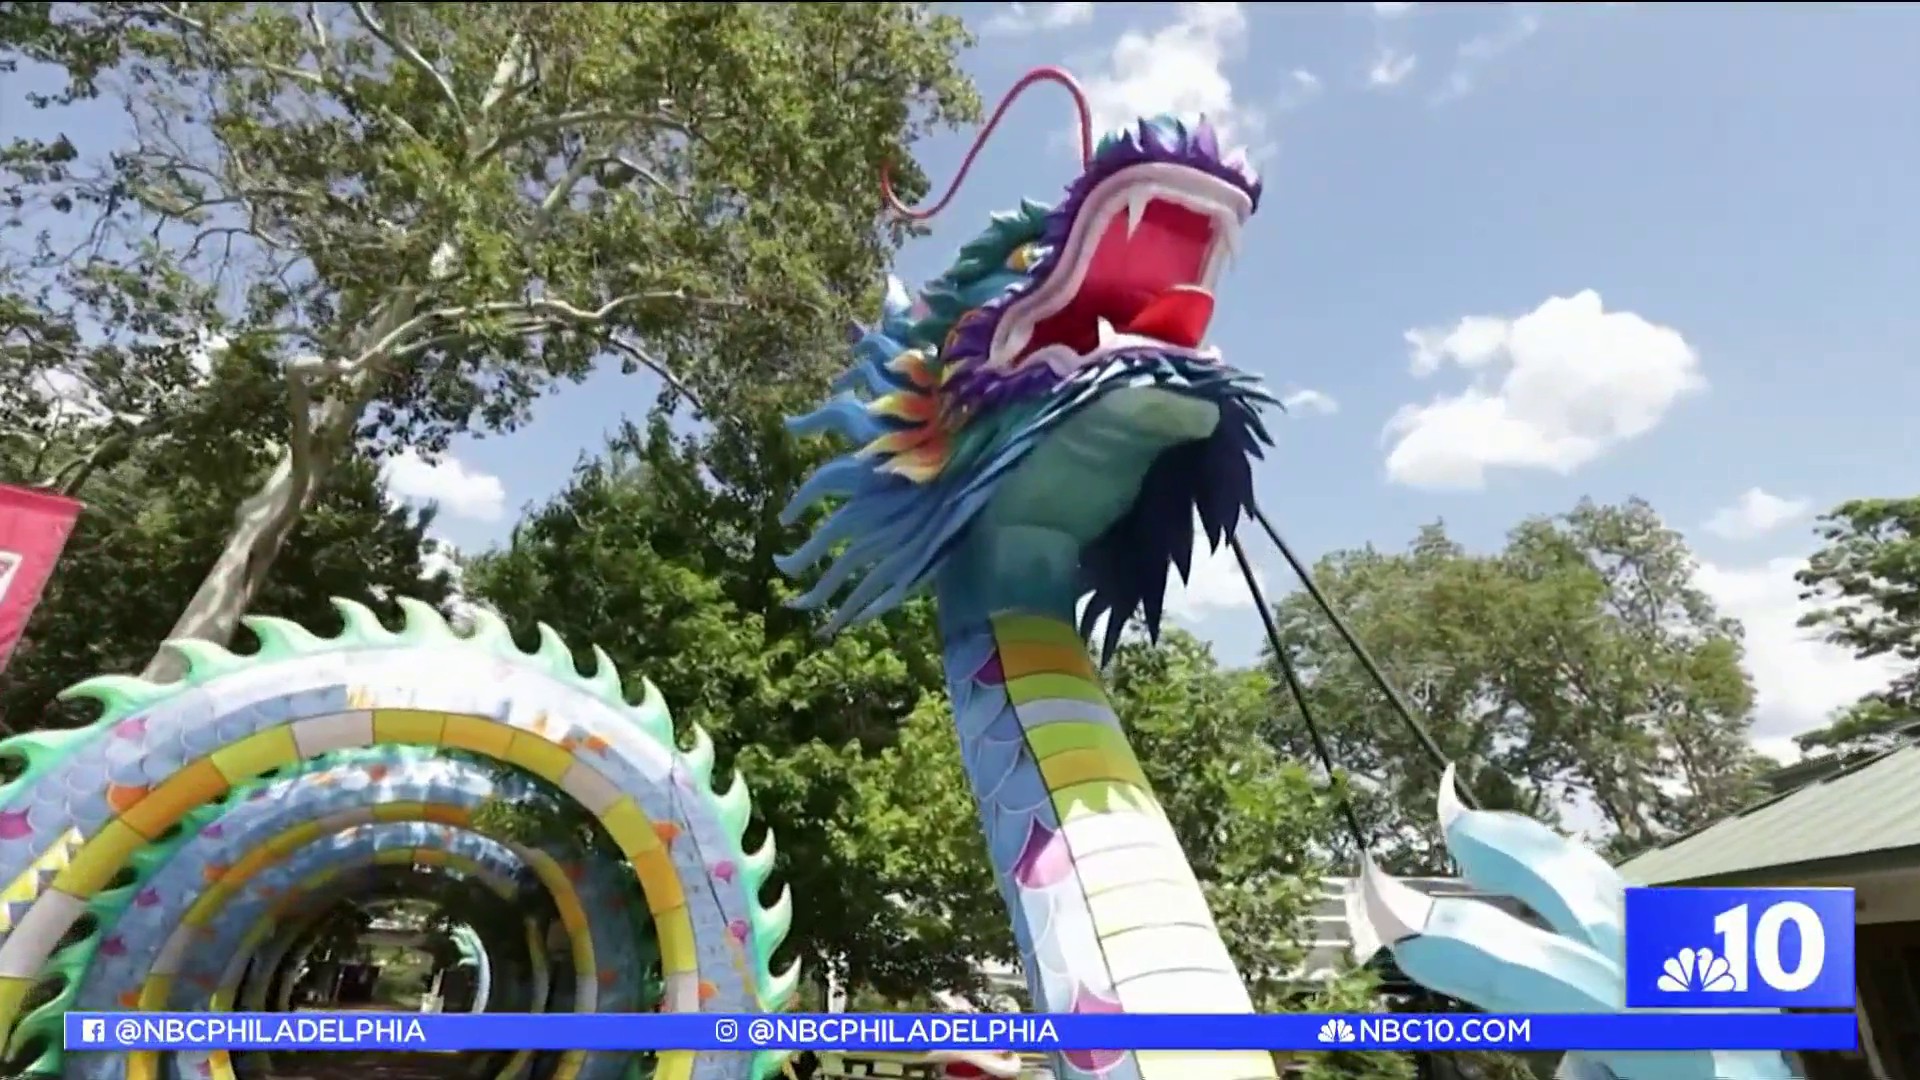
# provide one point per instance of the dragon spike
(699, 756)
(735, 806)
(489, 629)
(859, 555)
(1507, 854)
(605, 680)
(771, 923)
(898, 299)
(843, 523)
(781, 988)
(281, 638)
(117, 694)
(869, 376)
(840, 476)
(845, 415)
(361, 624)
(423, 623)
(757, 866)
(1449, 805)
(553, 652)
(204, 659)
(652, 712)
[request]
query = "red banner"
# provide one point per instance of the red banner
(34, 526)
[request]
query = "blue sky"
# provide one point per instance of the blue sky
(1730, 184)
(1510, 256)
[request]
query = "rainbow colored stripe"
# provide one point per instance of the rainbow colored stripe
(1111, 875)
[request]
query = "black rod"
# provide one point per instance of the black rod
(1299, 693)
(1360, 652)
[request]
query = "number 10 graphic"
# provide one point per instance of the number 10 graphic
(1739, 948)
(1732, 927)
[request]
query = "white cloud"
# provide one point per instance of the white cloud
(1799, 680)
(1310, 401)
(458, 490)
(1756, 513)
(1032, 18)
(1180, 69)
(79, 400)
(1553, 389)
(1476, 53)
(1393, 10)
(1215, 584)
(1302, 86)
(1391, 67)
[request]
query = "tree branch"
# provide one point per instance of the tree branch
(558, 311)
(656, 365)
(507, 82)
(547, 125)
(233, 56)
(410, 54)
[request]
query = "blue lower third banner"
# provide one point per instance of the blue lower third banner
(1017, 1031)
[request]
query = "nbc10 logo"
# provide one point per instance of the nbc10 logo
(1739, 948)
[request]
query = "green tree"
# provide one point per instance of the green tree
(429, 214)
(1579, 663)
(1866, 577)
(139, 549)
(660, 553)
(1645, 709)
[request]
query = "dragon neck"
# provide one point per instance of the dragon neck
(1106, 912)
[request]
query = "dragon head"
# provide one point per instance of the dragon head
(1055, 378)
(1479, 954)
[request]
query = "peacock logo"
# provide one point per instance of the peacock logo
(1336, 1031)
(1695, 969)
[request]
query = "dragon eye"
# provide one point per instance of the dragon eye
(1025, 257)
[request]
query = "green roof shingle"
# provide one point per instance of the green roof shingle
(1868, 807)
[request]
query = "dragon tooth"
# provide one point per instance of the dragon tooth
(1137, 200)
(1016, 342)
(1229, 241)
(1107, 332)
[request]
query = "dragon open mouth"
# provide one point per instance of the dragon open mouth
(1136, 271)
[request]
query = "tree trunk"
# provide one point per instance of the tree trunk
(267, 517)
(261, 527)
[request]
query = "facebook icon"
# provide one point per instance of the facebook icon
(93, 1031)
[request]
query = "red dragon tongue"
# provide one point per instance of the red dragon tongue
(1178, 316)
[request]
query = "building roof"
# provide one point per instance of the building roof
(1844, 815)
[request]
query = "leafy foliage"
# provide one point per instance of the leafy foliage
(1580, 663)
(139, 550)
(1867, 577)
(425, 215)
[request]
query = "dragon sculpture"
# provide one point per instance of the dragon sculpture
(128, 846)
(1037, 439)
(1477, 953)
